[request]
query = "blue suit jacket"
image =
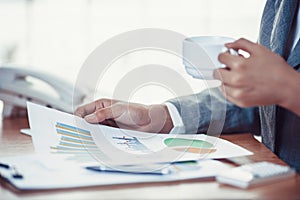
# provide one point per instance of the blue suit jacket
(280, 128)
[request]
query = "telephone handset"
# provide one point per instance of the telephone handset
(19, 85)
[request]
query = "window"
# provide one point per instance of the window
(57, 35)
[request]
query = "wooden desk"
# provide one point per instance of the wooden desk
(14, 143)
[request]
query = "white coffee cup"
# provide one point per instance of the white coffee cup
(200, 55)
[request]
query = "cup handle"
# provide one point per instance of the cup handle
(231, 51)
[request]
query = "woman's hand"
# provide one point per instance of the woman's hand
(264, 78)
(154, 118)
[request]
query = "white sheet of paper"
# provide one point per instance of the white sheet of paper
(40, 172)
(60, 133)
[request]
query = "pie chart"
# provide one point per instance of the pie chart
(189, 145)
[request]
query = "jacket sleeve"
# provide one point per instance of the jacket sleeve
(209, 112)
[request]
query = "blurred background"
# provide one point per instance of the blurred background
(56, 36)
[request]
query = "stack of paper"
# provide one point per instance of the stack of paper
(66, 145)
